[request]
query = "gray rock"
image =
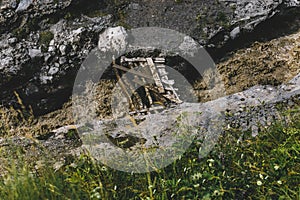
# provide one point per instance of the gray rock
(113, 39)
(34, 53)
(189, 46)
(62, 49)
(295, 80)
(134, 6)
(45, 79)
(23, 5)
(62, 60)
(12, 40)
(53, 70)
(235, 32)
(210, 22)
(6, 61)
(6, 4)
(51, 48)
(31, 89)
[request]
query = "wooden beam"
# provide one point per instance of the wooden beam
(155, 75)
(132, 71)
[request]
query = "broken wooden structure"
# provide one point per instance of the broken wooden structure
(155, 90)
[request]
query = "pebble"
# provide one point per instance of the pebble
(62, 49)
(12, 40)
(53, 70)
(134, 6)
(52, 43)
(51, 48)
(46, 57)
(62, 60)
(235, 32)
(34, 53)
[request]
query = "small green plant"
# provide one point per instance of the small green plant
(96, 13)
(68, 16)
(221, 16)
(45, 38)
(122, 19)
(9, 118)
(199, 17)
(20, 33)
(24, 30)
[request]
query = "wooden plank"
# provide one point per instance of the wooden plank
(162, 72)
(147, 110)
(123, 87)
(171, 88)
(173, 98)
(132, 71)
(138, 59)
(161, 66)
(168, 82)
(138, 101)
(155, 75)
(144, 68)
(159, 60)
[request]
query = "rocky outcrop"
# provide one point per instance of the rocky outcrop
(40, 59)
(253, 109)
(221, 25)
(250, 110)
(43, 43)
(17, 13)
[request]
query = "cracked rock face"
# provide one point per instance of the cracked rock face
(214, 24)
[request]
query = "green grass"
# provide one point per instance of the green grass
(264, 167)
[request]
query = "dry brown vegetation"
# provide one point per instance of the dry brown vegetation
(269, 63)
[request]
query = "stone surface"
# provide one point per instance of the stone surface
(48, 59)
(251, 110)
(66, 31)
(113, 39)
(23, 5)
(212, 22)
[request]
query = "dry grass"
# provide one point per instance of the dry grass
(270, 63)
